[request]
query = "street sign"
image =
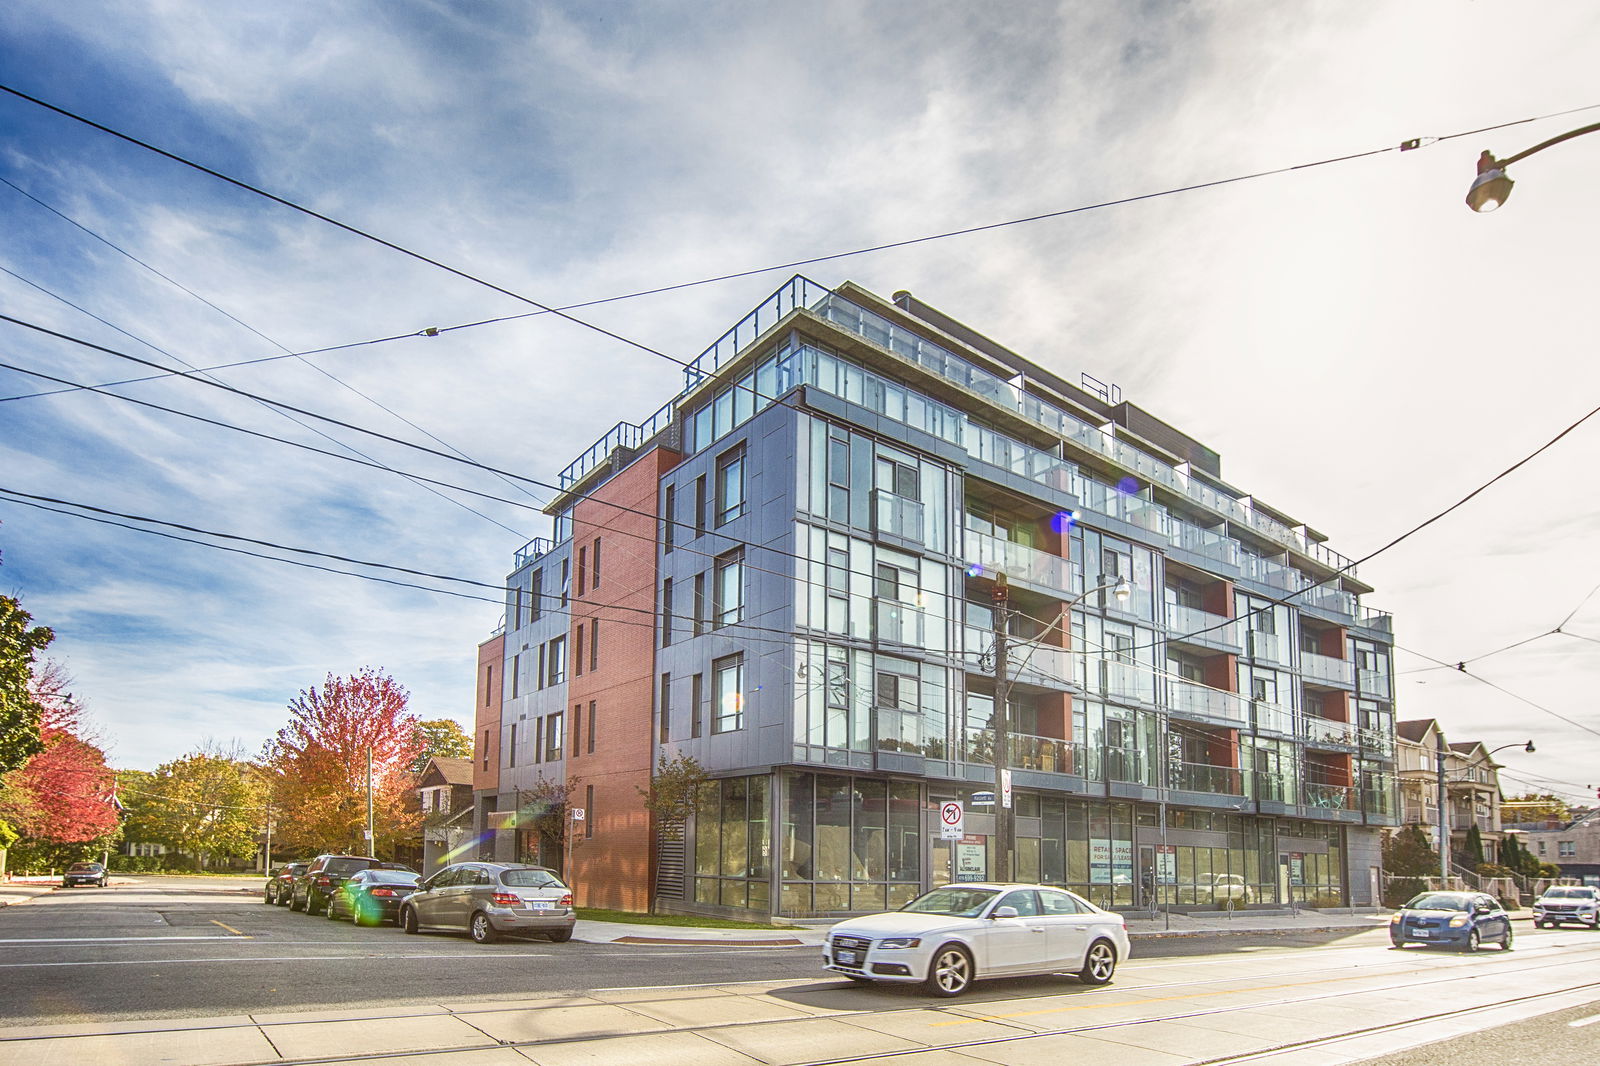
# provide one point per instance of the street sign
(1005, 789)
(950, 815)
(577, 814)
(983, 798)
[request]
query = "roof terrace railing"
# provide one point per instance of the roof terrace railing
(803, 293)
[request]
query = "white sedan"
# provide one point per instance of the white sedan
(949, 937)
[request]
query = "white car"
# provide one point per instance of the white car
(947, 938)
(1568, 903)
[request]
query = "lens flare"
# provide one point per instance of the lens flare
(1128, 486)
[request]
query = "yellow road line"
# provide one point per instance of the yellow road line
(232, 930)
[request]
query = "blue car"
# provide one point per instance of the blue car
(1462, 920)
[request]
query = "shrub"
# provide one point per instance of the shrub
(1396, 892)
(1325, 901)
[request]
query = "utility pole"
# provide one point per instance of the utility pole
(267, 859)
(1002, 735)
(1444, 810)
(372, 840)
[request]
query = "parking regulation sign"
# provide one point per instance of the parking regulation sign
(950, 815)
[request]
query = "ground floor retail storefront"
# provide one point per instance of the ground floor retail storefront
(800, 843)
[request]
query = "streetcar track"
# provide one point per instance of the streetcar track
(1413, 981)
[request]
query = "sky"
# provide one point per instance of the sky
(1361, 348)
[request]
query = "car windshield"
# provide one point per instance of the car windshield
(956, 902)
(346, 866)
(85, 867)
(530, 879)
(1570, 893)
(1438, 901)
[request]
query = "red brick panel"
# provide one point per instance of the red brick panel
(486, 714)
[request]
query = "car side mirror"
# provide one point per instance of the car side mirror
(1004, 912)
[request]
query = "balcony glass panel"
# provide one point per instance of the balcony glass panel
(1210, 704)
(1325, 731)
(1049, 754)
(1331, 797)
(1021, 563)
(899, 623)
(898, 516)
(1204, 626)
(1270, 787)
(1204, 777)
(1327, 668)
(1273, 718)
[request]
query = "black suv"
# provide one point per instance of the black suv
(323, 877)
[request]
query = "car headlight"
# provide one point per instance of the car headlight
(900, 942)
(1459, 920)
(1394, 919)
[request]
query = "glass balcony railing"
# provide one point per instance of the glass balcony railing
(1204, 777)
(898, 516)
(1331, 797)
(1202, 541)
(1202, 627)
(1272, 718)
(1208, 704)
(1326, 668)
(1374, 683)
(1049, 754)
(1325, 732)
(899, 623)
(531, 551)
(1043, 570)
(1030, 662)
(1268, 786)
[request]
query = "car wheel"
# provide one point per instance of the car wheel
(1472, 940)
(1538, 925)
(559, 936)
(1505, 943)
(950, 972)
(1099, 964)
(482, 930)
(295, 904)
(331, 911)
(408, 919)
(269, 896)
(358, 915)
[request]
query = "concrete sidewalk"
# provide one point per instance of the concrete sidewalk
(22, 889)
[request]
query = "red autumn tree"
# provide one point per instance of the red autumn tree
(318, 765)
(60, 797)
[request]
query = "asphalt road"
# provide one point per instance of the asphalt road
(191, 947)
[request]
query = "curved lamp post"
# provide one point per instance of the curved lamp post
(1492, 187)
(1003, 827)
(1444, 810)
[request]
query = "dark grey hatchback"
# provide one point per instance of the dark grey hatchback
(486, 899)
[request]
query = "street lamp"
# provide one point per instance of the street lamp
(1492, 186)
(1444, 809)
(1003, 826)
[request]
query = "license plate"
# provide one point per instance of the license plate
(541, 905)
(1421, 933)
(847, 958)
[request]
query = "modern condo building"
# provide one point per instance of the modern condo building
(789, 573)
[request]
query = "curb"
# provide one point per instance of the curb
(787, 942)
(1174, 934)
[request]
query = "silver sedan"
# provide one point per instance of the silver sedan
(947, 938)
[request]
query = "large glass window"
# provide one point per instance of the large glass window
(727, 694)
(729, 589)
(733, 840)
(730, 485)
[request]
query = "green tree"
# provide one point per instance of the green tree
(207, 804)
(442, 738)
(20, 645)
(1472, 850)
(1407, 853)
(1534, 807)
(673, 788)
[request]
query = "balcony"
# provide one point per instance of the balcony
(1046, 754)
(1374, 683)
(1046, 572)
(1205, 777)
(1420, 814)
(1266, 647)
(1272, 718)
(1331, 797)
(1327, 733)
(1208, 704)
(1327, 669)
(1031, 663)
(898, 516)
(898, 623)
(1265, 786)
(1194, 626)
